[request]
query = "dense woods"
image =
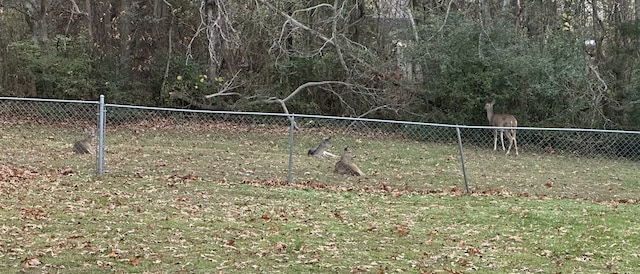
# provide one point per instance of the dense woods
(571, 63)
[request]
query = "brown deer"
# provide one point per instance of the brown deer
(345, 166)
(502, 120)
(84, 146)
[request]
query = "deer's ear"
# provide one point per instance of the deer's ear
(493, 101)
(346, 148)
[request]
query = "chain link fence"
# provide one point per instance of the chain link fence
(172, 146)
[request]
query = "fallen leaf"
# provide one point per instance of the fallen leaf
(515, 238)
(66, 171)
(384, 188)
(402, 231)
(281, 247)
(473, 251)
(31, 262)
(338, 216)
(134, 261)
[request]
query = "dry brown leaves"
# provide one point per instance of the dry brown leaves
(396, 192)
(31, 262)
(9, 173)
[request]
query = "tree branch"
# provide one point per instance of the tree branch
(283, 102)
(169, 50)
(226, 88)
(327, 40)
(191, 101)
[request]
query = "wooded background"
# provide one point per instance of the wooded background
(571, 63)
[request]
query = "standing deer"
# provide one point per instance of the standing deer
(502, 120)
(345, 166)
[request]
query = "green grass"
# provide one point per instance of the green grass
(212, 200)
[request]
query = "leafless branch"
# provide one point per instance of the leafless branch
(226, 88)
(414, 27)
(311, 84)
(182, 97)
(283, 102)
(169, 50)
(327, 40)
(334, 34)
(218, 24)
(598, 95)
(75, 9)
(446, 16)
(374, 110)
(72, 14)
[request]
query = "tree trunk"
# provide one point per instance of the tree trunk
(485, 11)
(211, 10)
(597, 26)
(99, 18)
(506, 5)
(124, 32)
(159, 12)
(36, 15)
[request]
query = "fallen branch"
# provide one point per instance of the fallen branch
(226, 88)
(283, 102)
(191, 101)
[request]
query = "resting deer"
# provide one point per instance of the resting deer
(345, 166)
(84, 146)
(502, 120)
(321, 149)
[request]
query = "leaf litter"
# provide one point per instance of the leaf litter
(172, 219)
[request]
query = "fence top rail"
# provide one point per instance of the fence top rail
(198, 110)
(356, 119)
(48, 100)
(464, 126)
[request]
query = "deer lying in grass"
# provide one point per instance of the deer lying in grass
(345, 166)
(84, 146)
(502, 120)
(321, 149)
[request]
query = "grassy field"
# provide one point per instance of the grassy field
(212, 199)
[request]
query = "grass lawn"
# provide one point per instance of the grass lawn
(212, 199)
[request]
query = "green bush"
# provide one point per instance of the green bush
(469, 65)
(59, 71)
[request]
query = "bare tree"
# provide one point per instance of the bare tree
(317, 30)
(37, 16)
(216, 22)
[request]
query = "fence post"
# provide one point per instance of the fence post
(101, 128)
(292, 129)
(464, 169)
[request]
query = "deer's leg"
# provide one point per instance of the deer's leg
(515, 142)
(502, 138)
(511, 135)
(495, 139)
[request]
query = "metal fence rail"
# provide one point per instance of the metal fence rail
(249, 147)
